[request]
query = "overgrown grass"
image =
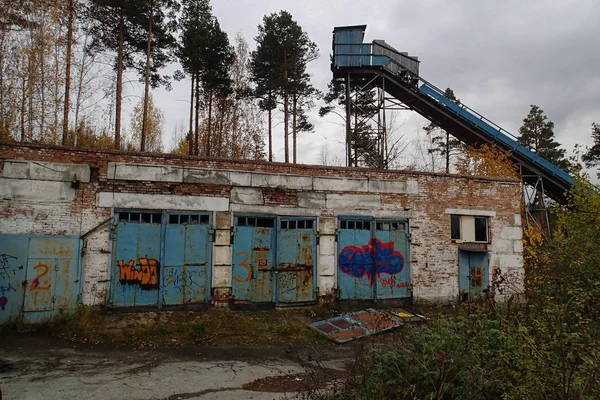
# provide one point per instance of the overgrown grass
(214, 327)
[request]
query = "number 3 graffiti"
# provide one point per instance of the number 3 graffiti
(244, 265)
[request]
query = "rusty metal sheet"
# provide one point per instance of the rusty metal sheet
(355, 325)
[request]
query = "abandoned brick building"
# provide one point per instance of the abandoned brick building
(130, 230)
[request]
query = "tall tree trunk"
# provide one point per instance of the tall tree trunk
(42, 93)
(208, 127)
(147, 79)
(79, 91)
(270, 129)
(447, 153)
(30, 90)
(190, 136)
(118, 101)
(286, 114)
(23, 105)
(294, 119)
(196, 135)
(68, 73)
(221, 136)
(2, 123)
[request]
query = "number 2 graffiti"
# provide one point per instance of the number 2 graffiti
(36, 283)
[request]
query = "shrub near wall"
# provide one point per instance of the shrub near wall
(548, 347)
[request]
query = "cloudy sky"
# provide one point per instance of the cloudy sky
(498, 57)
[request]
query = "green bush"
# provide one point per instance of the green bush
(545, 347)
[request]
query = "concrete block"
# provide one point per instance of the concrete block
(222, 237)
(223, 220)
(140, 172)
(512, 233)
(354, 201)
(518, 221)
(43, 191)
(510, 261)
(45, 171)
(312, 200)
(276, 210)
(221, 276)
(200, 175)
(222, 255)
(518, 246)
(326, 284)
(393, 186)
(327, 245)
(327, 265)
(238, 178)
(243, 195)
(502, 246)
(341, 184)
(327, 225)
(283, 181)
(297, 182)
(477, 213)
(162, 202)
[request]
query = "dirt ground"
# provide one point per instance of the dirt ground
(38, 366)
(210, 354)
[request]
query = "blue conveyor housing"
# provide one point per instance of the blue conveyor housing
(496, 133)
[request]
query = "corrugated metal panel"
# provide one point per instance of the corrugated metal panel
(39, 275)
(185, 277)
(13, 269)
(296, 256)
(473, 273)
(347, 327)
(373, 259)
(253, 259)
(135, 280)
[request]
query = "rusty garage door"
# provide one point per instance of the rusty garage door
(135, 278)
(473, 272)
(373, 259)
(161, 258)
(296, 256)
(253, 259)
(186, 273)
(39, 276)
(274, 260)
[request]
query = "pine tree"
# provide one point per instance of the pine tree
(195, 19)
(279, 68)
(160, 44)
(217, 56)
(117, 26)
(441, 142)
(592, 156)
(537, 132)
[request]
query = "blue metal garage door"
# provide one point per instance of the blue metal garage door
(135, 280)
(372, 261)
(186, 273)
(473, 272)
(254, 259)
(296, 260)
(39, 275)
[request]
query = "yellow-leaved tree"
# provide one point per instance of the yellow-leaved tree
(154, 128)
(486, 160)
